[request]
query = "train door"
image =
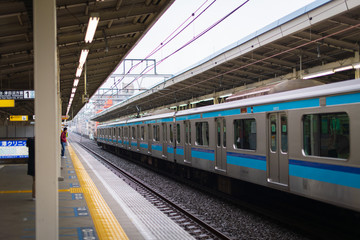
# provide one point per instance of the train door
(220, 155)
(138, 137)
(187, 147)
(278, 170)
(149, 138)
(164, 140)
(116, 136)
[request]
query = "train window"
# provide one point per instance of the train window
(178, 139)
(125, 132)
(164, 132)
(133, 132)
(156, 130)
(149, 132)
(120, 132)
(202, 133)
(284, 134)
(273, 144)
(245, 134)
(142, 132)
(171, 133)
(326, 135)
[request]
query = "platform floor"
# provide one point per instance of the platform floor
(93, 204)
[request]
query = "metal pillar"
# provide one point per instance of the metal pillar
(46, 126)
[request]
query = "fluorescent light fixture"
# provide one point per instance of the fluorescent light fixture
(208, 99)
(195, 102)
(173, 107)
(319, 74)
(91, 28)
(72, 95)
(183, 105)
(78, 72)
(226, 95)
(356, 65)
(73, 90)
(340, 69)
(83, 57)
(76, 82)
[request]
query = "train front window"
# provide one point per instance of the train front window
(326, 135)
(245, 134)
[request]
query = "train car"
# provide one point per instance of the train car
(301, 141)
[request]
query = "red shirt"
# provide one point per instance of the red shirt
(63, 136)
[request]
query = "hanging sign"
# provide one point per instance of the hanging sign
(7, 103)
(18, 118)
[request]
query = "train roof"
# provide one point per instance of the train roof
(304, 93)
(159, 116)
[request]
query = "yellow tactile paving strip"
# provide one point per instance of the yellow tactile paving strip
(107, 226)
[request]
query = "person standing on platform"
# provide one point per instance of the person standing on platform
(30, 143)
(63, 142)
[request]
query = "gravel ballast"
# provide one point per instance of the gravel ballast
(235, 222)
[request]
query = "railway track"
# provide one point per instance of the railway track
(192, 224)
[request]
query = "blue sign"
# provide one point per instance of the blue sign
(13, 149)
(13, 143)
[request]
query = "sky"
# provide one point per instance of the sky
(252, 16)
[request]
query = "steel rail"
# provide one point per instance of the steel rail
(136, 180)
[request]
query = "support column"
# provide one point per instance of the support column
(46, 126)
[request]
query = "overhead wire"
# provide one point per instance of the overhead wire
(194, 38)
(166, 41)
(260, 60)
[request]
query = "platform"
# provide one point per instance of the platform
(93, 204)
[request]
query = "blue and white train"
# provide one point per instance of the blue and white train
(303, 141)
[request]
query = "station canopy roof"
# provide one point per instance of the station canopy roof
(321, 37)
(122, 24)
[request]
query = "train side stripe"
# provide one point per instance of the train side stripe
(343, 99)
(188, 117)
(156, 147)
(207, 154)
(325, 166)
(244, 155)
(315, 102)
(325, 175)
(180, 151)
(170, 149)
(144, 145)
(250, 162)
(165, 120)
(222, 113)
